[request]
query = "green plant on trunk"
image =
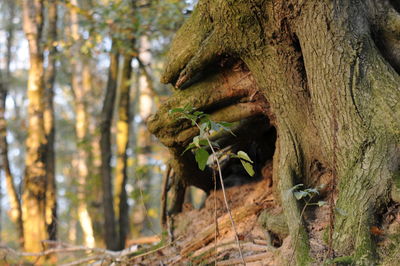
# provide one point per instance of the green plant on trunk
(307, 195)
(202, 142)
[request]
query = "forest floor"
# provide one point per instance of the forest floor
(197, 239)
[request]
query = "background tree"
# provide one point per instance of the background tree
(80, 81)
(123, 128)
(106, 152)
(35, 183)
(5, 80)
(49, 117)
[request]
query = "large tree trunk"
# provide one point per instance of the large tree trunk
(35, 184)
(329, 71)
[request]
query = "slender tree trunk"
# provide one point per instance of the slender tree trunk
(95, 183)
(123, 124)
(51, 199)
(35, 183)
(106, 153)
(15, 203)
(146, 104)
(80, 89)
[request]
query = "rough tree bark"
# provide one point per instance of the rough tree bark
(329, 72)
(111, 238)
(122, 140)
(34, 195)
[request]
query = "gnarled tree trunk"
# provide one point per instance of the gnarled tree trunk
(329, 73)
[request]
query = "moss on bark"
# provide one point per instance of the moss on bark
(332, 96)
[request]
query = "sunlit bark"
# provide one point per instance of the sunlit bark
(122, 140)
(34, 195)
(80, 87)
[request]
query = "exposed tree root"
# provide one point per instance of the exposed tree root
(226, 88)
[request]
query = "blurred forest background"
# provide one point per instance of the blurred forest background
(78, 79)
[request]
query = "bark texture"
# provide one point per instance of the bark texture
(110, 231)
(121, 177)
(35, 183)
(329, 72)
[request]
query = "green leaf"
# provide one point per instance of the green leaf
(196, 141)
(246, 162)
(312, 191)
(300, 194)
(243, 156)
(201, 157)
(203, 142)
(191, 117)
(205, 118)
(189, 147)
(296, 187)
(198, 114)
(226, 126)
(321, 203)
(248, 167)
(176, 110)
(203, 128)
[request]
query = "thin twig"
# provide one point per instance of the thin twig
(215, 216)
(67, 248)
(155, 250)
(224, 194)
(164, 197)
(84, 260)
(252, 258)
(57, 250)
